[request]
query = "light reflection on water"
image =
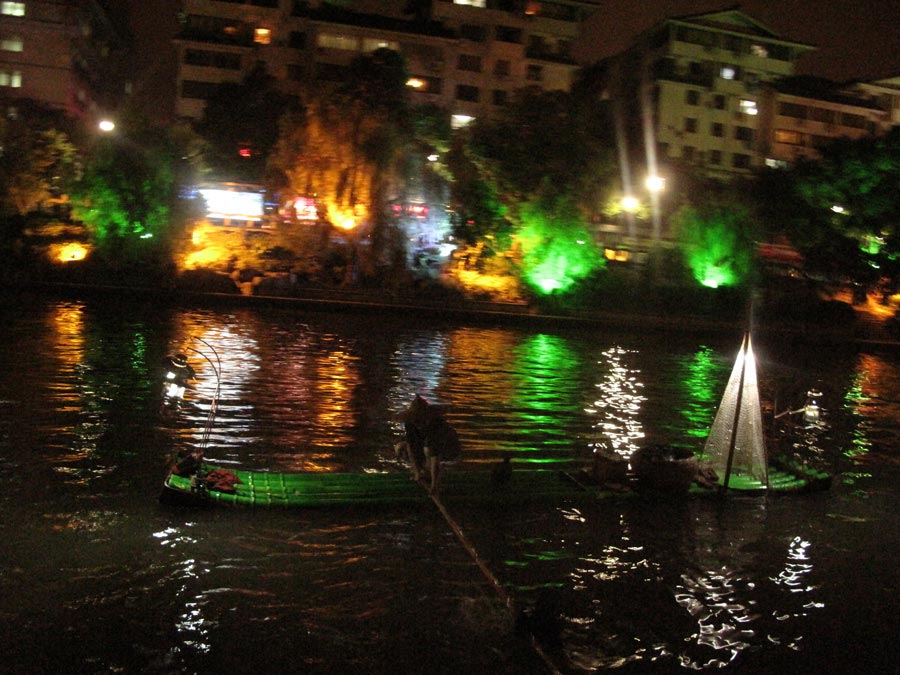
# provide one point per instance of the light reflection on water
(697, 584)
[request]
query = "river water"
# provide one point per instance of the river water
(98, 577)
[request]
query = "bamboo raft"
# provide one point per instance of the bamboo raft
(265, 489)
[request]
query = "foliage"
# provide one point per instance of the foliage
(717, 243)
(557, 250)
(347, 147)
(843, 210)
(240, 126)
(37, 160)
(129, 193)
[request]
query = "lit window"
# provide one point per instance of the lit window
(13, 43)
(759, 50)
(460, 121)
(10, 79)
(727, 73)
(12, 8)
(748, 107)
(374, 44)
(788, 136)
(262, 36)
(332, 41)
(471, 3)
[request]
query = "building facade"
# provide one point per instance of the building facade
(64, 53)
(716, 92)
(466, 56)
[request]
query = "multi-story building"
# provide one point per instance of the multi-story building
(800, 115)
(64, 53)
(692, 88)
(466, 56)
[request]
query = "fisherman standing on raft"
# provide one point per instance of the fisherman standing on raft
(430, 439)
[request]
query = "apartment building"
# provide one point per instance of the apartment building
(798, 116)
(466, 56)
(692, 87)
(65, 53)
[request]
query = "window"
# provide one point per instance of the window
(501, 69)
(262, 36)
(715, 157)
(473, 33)
(297, 40)
(795, 110)
(788, 136)
(499, 97)
(728, 73)
(458, 121)
(472, 3)
(822, 115)
(11, 78)
(12, 8)
(719, 102)
(759, 50)
(374, 44)
(854, 121)
(748, 106)
(743, 133)
(690, 125)
(194, 89)
(534, 73)
(469, 62)
(717, 129)
(211, 59)
(427, 85)
(12, 43)
(333, 41)
(466, 92)
(739, 161)
(687, 153)
(508, 34)
(692, 97)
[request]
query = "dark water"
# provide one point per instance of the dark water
(98, 577)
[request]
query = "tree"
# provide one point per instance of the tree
(348, 147)
(717, 242)
(534, 172)
(37, 160)
(240, 126)
(130, 194)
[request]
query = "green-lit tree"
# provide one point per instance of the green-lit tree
(535, 169)
(131, 196)
(717, 242)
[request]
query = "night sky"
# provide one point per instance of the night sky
(855, 39)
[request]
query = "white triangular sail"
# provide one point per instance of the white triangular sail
(737, 429)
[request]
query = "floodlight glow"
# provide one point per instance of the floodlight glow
(106, 125)
(630, 204)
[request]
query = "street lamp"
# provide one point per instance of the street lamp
(655, 183)
(106, 125)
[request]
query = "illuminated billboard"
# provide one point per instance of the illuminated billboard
(224, 204)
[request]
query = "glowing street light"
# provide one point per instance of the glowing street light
(106, 125)
(630, 204)
(655, 183)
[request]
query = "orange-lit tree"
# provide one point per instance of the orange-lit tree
(347, 149)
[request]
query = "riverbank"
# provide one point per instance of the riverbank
(864, 324)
